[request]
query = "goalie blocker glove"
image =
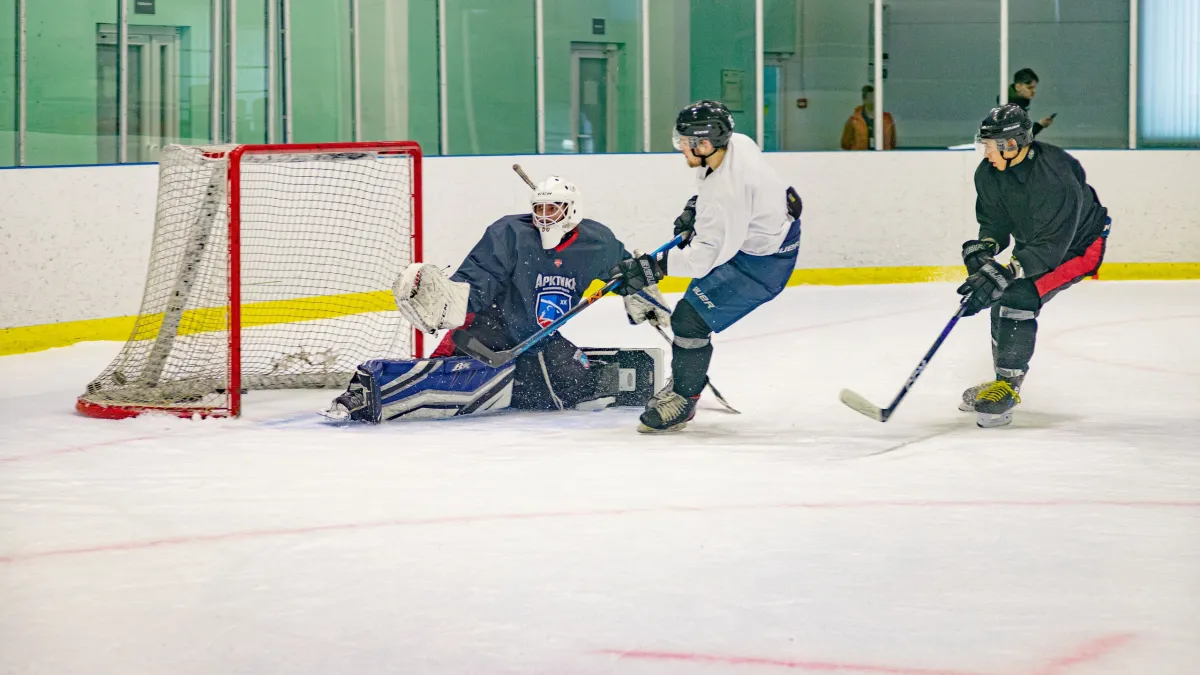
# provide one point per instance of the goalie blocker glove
(639, 272)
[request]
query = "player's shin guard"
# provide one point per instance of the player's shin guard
(691, 351)
(1014, 330)
(1014, 334)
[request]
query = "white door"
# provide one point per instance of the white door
(594, 80)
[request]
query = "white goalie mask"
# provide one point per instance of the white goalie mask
(557, 208)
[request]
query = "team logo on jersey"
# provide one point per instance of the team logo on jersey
(551, 306)
(557, 262)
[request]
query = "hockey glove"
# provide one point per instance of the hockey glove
(978, 251)
(648, 305)
(638, 273)
(685, 224)
(985, 286)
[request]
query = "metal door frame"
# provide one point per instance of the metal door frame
(611, 54)
(150, 40)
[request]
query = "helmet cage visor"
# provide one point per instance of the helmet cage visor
(1001, 145)
(679, 141)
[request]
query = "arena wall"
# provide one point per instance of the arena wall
(75, 241)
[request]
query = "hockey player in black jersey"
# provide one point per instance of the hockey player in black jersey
(526, 271)
(1037, 196)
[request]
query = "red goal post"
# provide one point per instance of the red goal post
(271, 268)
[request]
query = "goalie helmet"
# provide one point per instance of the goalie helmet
(557, 208)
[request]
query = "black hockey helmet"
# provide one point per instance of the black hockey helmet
(1008, 121)
(705, 119)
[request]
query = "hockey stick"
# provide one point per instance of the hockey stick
(480, 352)
(878, 414)
(521, 173)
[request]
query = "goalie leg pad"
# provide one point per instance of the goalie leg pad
(383, 390)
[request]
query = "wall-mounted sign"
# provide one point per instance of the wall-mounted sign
(597, 26)
(143, 6)
(733, 89)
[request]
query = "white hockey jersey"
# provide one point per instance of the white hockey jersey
(741, 206)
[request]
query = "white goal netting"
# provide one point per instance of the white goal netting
(317, 239)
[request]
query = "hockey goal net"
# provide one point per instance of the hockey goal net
(271, 268)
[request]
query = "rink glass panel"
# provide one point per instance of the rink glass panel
(1080, 51)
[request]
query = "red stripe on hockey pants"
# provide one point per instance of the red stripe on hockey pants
(1072, 270)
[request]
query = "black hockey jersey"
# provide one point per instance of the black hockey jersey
(518, 287)
(1044, 203)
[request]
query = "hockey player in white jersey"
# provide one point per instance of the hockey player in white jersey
(742, 237)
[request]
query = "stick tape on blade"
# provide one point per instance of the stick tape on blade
(862, 405)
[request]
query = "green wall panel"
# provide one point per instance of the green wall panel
(252, 78)
(8, 82)
(491, 77)
(722, 39)
(423, 115)
(321, 82)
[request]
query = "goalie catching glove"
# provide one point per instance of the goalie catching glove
(429, 300)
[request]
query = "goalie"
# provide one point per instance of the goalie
(526, 271)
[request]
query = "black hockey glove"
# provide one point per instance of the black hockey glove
(978, 251)
(638, 273)
(685, 224)
(985, 286)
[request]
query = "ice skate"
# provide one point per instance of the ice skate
(968, 397)
(343, 406)
(995, 402)
(667, 411)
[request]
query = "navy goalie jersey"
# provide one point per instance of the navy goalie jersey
(518, 287)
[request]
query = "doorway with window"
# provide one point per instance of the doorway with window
(594, 99)
(153, 86)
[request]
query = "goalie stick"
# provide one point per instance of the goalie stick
(720, 399)
(480, 352)
(878, 414)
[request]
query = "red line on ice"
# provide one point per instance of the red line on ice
(74, 448)
(819, 666)
(1087, 653)
(184, 540)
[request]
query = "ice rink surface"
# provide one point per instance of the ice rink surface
(797, 537)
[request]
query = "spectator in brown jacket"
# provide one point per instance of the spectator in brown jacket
(859, 132)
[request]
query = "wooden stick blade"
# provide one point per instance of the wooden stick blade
(862, 405)
(478, 351)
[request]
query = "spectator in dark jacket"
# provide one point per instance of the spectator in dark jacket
(1021, 93)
